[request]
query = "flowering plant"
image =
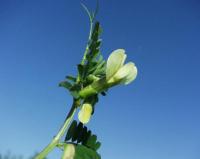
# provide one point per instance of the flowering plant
(95, 76)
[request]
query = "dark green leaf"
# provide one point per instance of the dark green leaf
(75, 90)
(65, 84)
(83, 152)
(80, 132)
(89, 133)
(77, 132)
(75, 94)
(81, 71)
(97, 146)
(91, 141)
(71, 78)
(71, 130)
(84, 135)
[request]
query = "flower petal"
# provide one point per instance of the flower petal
(127, 73)
(85, 113)
(131, 77)
(115, 62)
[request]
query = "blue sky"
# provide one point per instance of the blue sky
(155, 117)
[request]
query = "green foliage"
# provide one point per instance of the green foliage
(94, 64)
(78, 133)
(91, 69)
(83, 152)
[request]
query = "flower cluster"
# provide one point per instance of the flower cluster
(116, 73)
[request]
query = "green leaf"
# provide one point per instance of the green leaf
(97, 146)
(77, 132)
(75, 94)
(91, 141)
(81, 71)
(80, 132)
(84, 135)
(87, 136)
(94, 43)
(71, 78)
(65, 84)
(71, 130)
(75, 90)
(82, 152)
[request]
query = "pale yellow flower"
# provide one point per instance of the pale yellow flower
(85, 113)
(116, 71)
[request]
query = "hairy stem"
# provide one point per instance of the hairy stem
(61, 132)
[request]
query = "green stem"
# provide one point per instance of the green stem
(61, 132)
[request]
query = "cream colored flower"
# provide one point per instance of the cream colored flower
(116, 71)
(85, 113)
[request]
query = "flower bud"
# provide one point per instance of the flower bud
(85, 113)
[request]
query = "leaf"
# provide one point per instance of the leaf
(91, 142)
(97, 146)
(77, 132)
(71, 78)
(82, 152)
(81, 70)
(94, 44)
(65, 84)
(86, 137)
(80, 132)
(71, 130)
(75, 94)
(75, 90)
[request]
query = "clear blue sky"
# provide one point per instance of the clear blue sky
(155, 117)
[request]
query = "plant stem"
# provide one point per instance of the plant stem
(61, 132)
